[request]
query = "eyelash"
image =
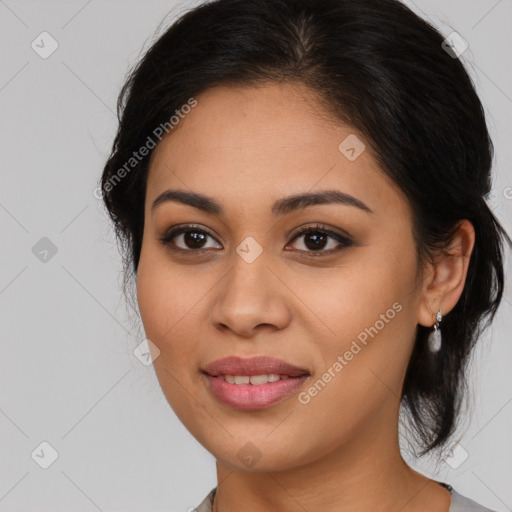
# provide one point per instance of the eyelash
(343, 240)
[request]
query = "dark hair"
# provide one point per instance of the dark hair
(380, 68)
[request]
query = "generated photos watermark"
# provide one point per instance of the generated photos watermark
(343, 360)
(144, 150)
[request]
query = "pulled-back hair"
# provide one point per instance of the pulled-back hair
(380, 68)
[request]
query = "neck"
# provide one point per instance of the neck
(367, 473)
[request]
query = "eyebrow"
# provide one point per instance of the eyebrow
(280, 207)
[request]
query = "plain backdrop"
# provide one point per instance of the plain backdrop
(68, 374)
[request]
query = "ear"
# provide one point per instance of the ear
(444, 278)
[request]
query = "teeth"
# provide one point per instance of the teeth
(260, 379)
(253, 379)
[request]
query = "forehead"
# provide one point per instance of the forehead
(244, 144)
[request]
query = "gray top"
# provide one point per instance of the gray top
(459, 503)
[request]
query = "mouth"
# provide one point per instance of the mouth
(254, 380)
(253, 383)
(258, 366)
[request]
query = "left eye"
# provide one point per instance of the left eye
(316, 240)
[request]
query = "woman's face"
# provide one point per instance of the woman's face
(341, 307)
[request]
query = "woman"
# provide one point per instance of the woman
(299, 189)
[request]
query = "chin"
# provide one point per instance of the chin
(255, 456)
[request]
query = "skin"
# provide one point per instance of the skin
(247, 147)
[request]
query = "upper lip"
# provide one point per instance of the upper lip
(258, 365)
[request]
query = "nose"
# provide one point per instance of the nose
(250, 299)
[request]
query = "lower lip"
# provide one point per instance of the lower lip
(249, 396)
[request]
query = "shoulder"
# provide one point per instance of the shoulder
(207, 503)
(462, 504)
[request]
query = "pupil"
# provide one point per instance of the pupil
(194, 239)
(320, 240)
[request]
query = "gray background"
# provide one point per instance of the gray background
(68, 373)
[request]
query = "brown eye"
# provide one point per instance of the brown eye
(188, 238)
(322, 241)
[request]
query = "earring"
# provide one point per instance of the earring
(434, 338)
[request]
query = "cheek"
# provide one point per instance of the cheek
(168, 303)
(353, 297)
(363, 360)
(169, 314)
(368, 310)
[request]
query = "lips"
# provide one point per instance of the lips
(258, 365)
(253, 397)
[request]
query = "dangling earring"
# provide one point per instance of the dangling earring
(434, 338)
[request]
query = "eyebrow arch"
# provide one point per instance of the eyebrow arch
(280, 207)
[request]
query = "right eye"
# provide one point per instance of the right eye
(191, 238)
